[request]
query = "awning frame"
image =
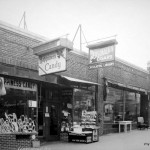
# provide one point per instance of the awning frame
(79, 80)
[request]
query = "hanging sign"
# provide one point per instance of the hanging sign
(52, 62)
(102, 54)
(52, 55)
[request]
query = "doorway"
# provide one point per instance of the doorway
(54, 119)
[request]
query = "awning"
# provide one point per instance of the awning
(130, 87)
(79, 80)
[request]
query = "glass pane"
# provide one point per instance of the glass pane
(113, 106)
(16, 101)
(83, 100)
(132, 105)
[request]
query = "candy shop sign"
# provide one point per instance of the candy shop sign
(52, 62)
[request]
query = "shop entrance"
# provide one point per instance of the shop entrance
(54, 121)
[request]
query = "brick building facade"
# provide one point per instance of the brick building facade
(18, 63)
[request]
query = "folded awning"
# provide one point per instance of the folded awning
(79, 80)
(130, 87)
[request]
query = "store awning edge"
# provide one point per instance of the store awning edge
(79, 80)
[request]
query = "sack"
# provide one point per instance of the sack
(2, 87)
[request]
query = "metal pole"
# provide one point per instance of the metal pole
(80, 40)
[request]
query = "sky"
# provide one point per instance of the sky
(126, 20)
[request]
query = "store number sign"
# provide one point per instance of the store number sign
(52, 62)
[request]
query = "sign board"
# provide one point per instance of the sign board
(52, 62)
(32, 103)
(20, 84)
(52, 55)
(47, 115)
(102, 54)
(101, 65)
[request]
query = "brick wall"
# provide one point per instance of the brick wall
(9, 142)
(16, 49)
(127, 75)
(77, 67)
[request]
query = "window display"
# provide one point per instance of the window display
(83, 101)
(18, 106)
(84, 127)
(121, 105)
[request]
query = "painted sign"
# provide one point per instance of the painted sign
(102, 54)
(100, 65)
(52, 62)
(32, 103)
(18, 84)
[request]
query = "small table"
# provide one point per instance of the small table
(125, 123)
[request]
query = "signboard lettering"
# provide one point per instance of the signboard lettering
(52, 62)
(18, 84)
(102, 54)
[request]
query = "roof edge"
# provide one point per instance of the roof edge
(21, 31)
(131, 65)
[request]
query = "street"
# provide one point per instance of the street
(133, 140)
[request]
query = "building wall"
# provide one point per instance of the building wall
(17, 59)
(127, 75)
(77, 67)
(15, 49)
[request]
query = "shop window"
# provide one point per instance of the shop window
(121, 105)
(132, 106)
(83, 101)
(113, 106)
(16, 101)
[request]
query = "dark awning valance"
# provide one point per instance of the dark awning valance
(125, 86)
(79, 80)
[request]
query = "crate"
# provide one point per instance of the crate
(36, 144)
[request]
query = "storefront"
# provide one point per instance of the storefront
(18, 112)
(123, 95)
(20, 98)
(62, 106)
(63, 98)
(123, 103)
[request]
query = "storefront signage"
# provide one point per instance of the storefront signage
(47, 115)
(52, 62)
(18, 84)
(89, 115)
(52, 55)
(102, 54)
(101, 65)
(32, 103)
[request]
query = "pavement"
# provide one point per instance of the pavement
(134, 140)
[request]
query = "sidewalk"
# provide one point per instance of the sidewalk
(133, 140)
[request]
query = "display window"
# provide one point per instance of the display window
(83, 101)
(18, 105)
(121, 105)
